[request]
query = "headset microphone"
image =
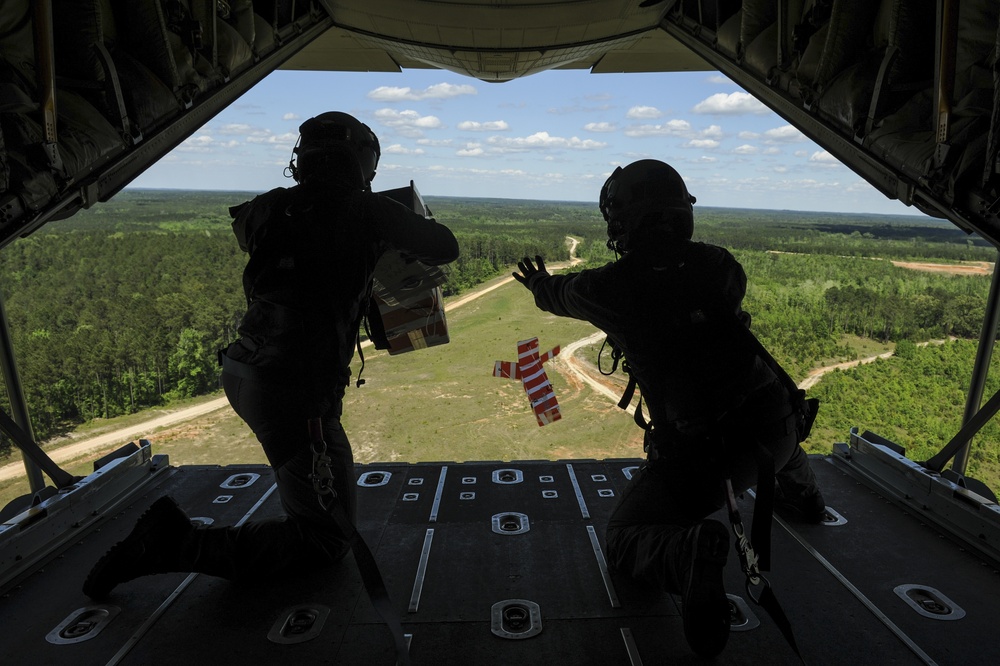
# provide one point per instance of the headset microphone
(291, 171)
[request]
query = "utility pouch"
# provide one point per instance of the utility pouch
(810, 408)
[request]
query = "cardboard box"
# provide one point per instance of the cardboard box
(408, 292)
(416, 323)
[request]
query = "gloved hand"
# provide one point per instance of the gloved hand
(529, 271)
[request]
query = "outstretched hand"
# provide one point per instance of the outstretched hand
(529, 270)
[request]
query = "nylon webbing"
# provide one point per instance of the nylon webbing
(770, 604)
(322, 478)
(28, 447)
(374, 584)
(760, 528)
(749, 561)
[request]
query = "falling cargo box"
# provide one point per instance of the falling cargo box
(408, 292)
(415, 323)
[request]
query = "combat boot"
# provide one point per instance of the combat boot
(806, 505)
(704, 605)
(153, 546)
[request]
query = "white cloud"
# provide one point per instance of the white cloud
(746, 149)
(542, 140)
(670, 128)
(705, 144)
(784, 134)
(435, 143)
(242, 129)
(202, 143)
(859, 186)
(471, 150)
(291, 116)
(407, 123)
(773, 150)
(824, 158)
(600, 127)
(748, 136)
(719, 79)
(407, 94)
(643, 113)
(399, 149)
(801, 153)
(489, 126)
(479, 175)
(737, 103)
(711, 132)
(286, 140)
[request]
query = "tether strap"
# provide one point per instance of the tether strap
(760, 528)
(29, 448)
(972, 426)
(322, 478)
(626, 400)
(374, 585)
(749, 562)
(769, 603)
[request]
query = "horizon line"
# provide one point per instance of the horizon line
(918, 215)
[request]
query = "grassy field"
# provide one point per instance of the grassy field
(443, 403)
(437, 404)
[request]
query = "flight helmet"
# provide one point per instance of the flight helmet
(642, 195)
(335, 147)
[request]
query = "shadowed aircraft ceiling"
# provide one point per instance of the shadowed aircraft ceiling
(496, 41)
(903, 92)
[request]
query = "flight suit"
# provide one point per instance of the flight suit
(308, 281)
(672, 307)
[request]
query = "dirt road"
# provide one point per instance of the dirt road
(961, 268)
(112, 440)
(599, 384)
(817, 373)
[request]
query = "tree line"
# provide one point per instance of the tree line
(123, 306)
(113, 313)
(915, 399)
(804, 305)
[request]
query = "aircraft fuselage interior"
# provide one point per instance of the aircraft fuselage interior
(906, 93)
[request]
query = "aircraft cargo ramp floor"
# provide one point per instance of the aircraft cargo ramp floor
(459, 543)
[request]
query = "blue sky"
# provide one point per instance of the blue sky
(552, 136)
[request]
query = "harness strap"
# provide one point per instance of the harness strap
(367, 566)
(626, 400)
(749, 561)
(760, 528)
(769, 603)
(374, 585)
(31, 450)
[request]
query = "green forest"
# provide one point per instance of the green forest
(122, 307)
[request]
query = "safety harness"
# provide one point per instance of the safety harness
(752, 561)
